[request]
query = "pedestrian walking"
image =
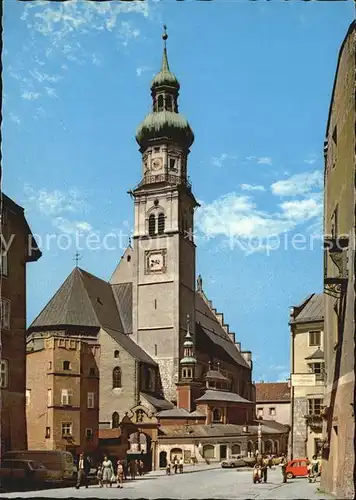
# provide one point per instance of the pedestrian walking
(120, 474)
(175, 464)
(83, 471)
(180, 465)
(168, 469)
(108, 472)
(284, 468)
(132, 467)
(264, 469)
(99, 475)
(270, 461)
(313, 469)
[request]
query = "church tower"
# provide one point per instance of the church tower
(164, 249)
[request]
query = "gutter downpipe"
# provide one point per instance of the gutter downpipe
(292, 396)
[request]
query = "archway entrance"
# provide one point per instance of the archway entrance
(176, 453)
(163, 459)
(140, 449)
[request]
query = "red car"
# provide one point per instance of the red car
(298, 467)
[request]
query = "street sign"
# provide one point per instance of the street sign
(303, 379)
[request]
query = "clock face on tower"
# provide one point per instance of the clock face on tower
(156, 164)
(155, 261)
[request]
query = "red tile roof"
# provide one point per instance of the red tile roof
(272, 391)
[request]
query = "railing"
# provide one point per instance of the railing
(172, 179)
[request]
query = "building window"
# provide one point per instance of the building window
(90, 400)
(28, 397)
(5, 311)
(209, 451)
(272, 412)
(116, 377)
(49, 397)
(152, 225)
(172, 164)
(217, 415)
(161, 223)
(315, 406)
(89, 433)
(116, 354)
(160, 102)
(168, 102)
(115, 420)
(67, 429)
(4, 373)
(314, 338)
(66, 365)
(187, 373)
(156, 350)
(236, 449)
(4, 269)
(66, 397)
(48, 433)
(259, 412)
(50, 365)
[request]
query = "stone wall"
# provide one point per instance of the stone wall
(300, 431)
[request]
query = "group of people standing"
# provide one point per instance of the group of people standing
(107, 474)
(264, 463)
(177, 464)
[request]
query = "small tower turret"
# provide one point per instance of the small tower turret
(188, 362)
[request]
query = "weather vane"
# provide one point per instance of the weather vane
(77, 258)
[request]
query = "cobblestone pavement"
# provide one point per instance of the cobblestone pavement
(209, 483)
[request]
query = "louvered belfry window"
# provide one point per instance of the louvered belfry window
(161, 223)
(152, 225)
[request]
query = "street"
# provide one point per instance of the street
(210, 482)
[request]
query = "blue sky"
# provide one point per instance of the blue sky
(256, 80)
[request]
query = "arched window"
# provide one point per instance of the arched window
(160, 102)
(169, 103)
(116, 354)
(161, 223)
(236, 449)
(116, 377)
(115, 422)
(217, 415)
(152, 225)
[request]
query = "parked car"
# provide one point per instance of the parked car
(232, 463)
(58, 463)
(23, 473)
(298, 467)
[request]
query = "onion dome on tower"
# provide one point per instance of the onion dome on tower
(164, 122)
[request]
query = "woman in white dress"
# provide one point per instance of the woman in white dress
(108, 471)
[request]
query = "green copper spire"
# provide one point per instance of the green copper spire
(165, 76)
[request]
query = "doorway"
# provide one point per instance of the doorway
(223, 451)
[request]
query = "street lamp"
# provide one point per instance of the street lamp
(259, 436)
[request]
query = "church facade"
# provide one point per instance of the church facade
(164, 348)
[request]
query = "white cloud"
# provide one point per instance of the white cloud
(71, 227)
(44, 77)
(298, 184)
(311, 159)
(218, 161)
(53, 203)
(14, 118)
(250, 187)
(303, 210)
(51, 92)
(141, 69)
(30, 96)
(95, 59)
(261, 160)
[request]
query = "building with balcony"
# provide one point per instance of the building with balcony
(338, 473)
(307, 376)
(18, 249)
